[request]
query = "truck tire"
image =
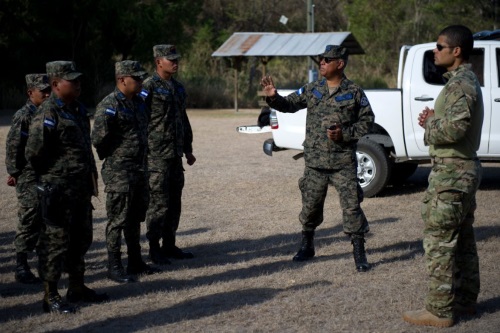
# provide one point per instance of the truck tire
(263, 119)
(374, 167)
(402, 171)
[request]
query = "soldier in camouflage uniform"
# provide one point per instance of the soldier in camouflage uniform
(23, 178)
(60, 152)
(170, 137)
(338, 114)
(120, 137)
(453, 134)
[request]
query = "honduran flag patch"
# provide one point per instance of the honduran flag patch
(50, 123)
(144, 93)
(110, 111)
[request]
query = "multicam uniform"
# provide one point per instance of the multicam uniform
(29, 219)
(453, 135)
(120, 137)
(60, 152)
(328, 162)
(170, 136)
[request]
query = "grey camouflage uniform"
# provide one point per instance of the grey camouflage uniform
(170, 136)
(29, 219)
(60, 152)
(328, 162)
(449, 203)
(120, 137)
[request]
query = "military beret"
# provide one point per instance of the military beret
(166, 50)
(335, 51)
(130, 68)
(37, 81)
(62, 69)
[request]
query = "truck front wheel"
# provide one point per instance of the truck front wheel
(374, 167)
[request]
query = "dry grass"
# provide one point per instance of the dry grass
(240, 218)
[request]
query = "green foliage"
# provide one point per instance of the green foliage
(96, 34)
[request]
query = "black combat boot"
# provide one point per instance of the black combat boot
(23, 273)
(306, 250)
(138, 267)
(172, 251)
(358, 250)
(52, 301)
(116, 272)
(176, 253)
(156, 254)
(79, 292)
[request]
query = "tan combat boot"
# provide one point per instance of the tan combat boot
(425, 318)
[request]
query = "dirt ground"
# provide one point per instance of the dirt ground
(240, 219)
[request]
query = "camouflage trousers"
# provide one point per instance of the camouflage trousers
(126, 206)
(29, 223)
(314, 186)
(164, 209)
(65, 239)
(449, 243)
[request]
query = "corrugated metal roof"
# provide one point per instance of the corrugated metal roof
(260, 44)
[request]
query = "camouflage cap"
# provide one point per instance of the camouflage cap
(335, 51)
(63, 69)
(130, 68)
(37, 81)
(166, 50)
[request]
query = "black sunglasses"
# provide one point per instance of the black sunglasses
(440, 47)
(327, 60)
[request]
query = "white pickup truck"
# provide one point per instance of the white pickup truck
(392, 152)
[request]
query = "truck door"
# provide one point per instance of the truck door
(494, 101)
(424, 86)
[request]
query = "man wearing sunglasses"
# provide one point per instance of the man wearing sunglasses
(120, 137)
(452, 132)
(338, 115)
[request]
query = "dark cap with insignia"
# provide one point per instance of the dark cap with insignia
(62, 69)
(130, 68)
(335, 52)
(166, 50)
(37, 81)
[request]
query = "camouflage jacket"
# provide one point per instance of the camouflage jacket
(59, 147)
(455, 129)
(16, 143)
(120, 132)
(347, 106)
(169, 132)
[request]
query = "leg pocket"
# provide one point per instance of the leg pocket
(446, 213)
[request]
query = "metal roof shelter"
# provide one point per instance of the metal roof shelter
(266, 45)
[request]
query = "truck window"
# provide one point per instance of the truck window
(498, 66)
(434, 74)
(477, 61)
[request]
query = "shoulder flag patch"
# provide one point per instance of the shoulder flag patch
(50, 123)
(110, 111)
(144, 93)
(300, 91)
